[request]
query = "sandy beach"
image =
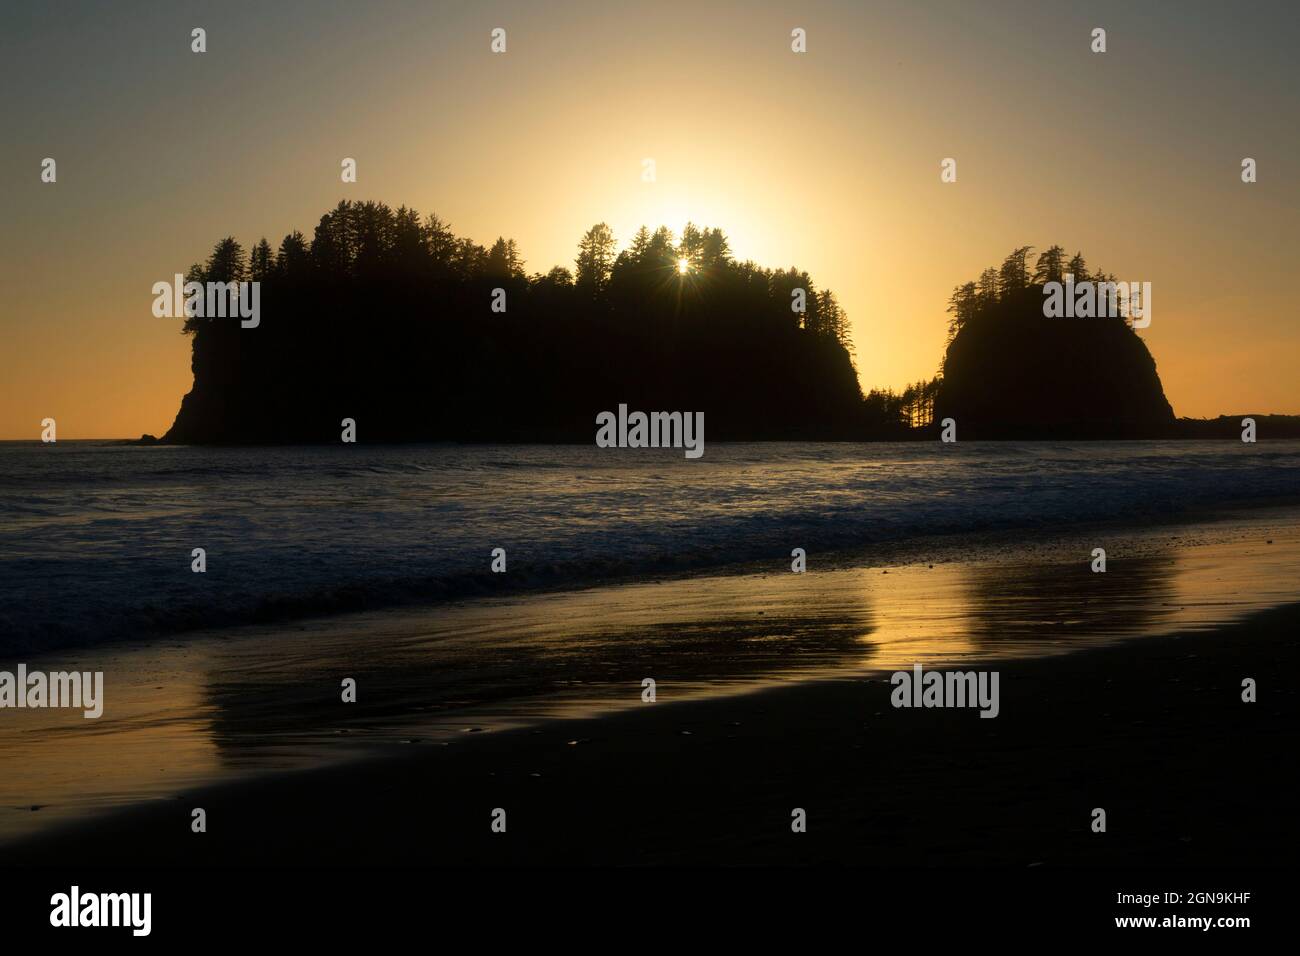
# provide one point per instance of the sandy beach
(1153, 731)
(1119, 690)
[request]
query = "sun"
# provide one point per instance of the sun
(683, 266)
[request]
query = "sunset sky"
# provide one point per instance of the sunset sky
(827, 160)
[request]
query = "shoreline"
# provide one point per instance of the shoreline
(1152, 729)
(255, 702)
(906, 551)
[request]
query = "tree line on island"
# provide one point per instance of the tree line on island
(388, 318)
(367, 241)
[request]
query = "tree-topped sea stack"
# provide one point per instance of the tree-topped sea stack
(1013, 371)
(389, 320)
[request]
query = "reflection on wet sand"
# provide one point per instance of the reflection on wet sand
(262, 699)
(154, 739)
(1041, 606)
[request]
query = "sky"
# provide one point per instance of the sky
(827, 160)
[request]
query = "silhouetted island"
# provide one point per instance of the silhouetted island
(391, 320)
(1012, 371)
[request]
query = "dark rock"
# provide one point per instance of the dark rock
(1011, 372)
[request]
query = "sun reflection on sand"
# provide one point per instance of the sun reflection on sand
(153, 739)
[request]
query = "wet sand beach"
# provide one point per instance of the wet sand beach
(1154, 731)
(771, 694)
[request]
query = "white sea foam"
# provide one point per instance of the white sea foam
(96, 538)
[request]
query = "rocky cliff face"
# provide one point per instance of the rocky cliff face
(1011, 372)
(436, 371)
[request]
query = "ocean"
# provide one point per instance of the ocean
(96, 537)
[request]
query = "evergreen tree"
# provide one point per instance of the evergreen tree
(227, 262)
(1014, 274)
(293, 256)
(1051, 266)
(261, 261)
(595, 259)
(1078, 268)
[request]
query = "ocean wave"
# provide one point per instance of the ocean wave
(99, 546)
